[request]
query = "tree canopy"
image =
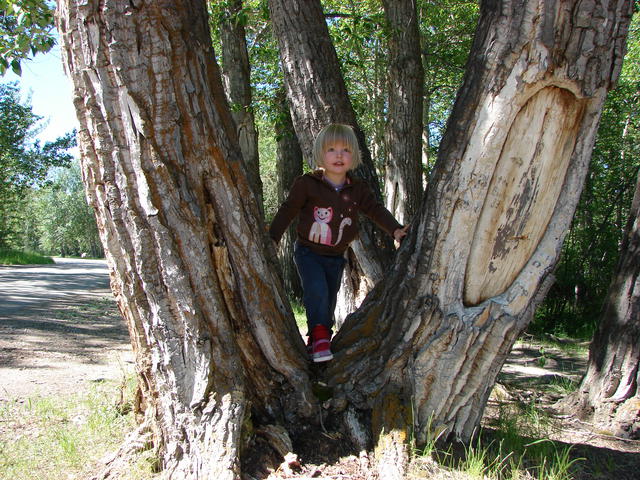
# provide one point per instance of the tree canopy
(26, 28)
(24, 162)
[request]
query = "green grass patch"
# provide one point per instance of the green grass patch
(300, 315)
(516, 449)
(561, 386)
(64, 437)
(567, 345)
(88, 311)
(17, 257)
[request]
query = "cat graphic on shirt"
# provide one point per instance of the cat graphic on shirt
(320, 230)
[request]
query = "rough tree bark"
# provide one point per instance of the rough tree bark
(425, 347)
(213, 338)
(318, 96)
(289, 159)
(403, 132)
(608, 395)
(236, 74)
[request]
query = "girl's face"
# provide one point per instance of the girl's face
(337, 159)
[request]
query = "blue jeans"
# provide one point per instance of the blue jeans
(320, 276)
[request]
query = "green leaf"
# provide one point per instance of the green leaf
(15, 66)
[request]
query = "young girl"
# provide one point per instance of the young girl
(327, 203)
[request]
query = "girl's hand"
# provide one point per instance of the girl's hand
(399, 234)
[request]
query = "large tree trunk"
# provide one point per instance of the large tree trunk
(608, 395)
(236, 73)
(318, 96)
(403, 132)
(213, 338)
(426, 345)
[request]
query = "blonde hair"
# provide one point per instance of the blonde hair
(334, 133)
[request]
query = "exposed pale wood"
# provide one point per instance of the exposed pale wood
(523, 190)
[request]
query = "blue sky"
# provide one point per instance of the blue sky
(51, 97)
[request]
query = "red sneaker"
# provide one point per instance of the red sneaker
(321, 344)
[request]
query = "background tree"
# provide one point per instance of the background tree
(403, 135)
(236, 74)
(24, 163)
(608, 394)
(359, 36)
(57, 219)
(289, 166)
(446, 32)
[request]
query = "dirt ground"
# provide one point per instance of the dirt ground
(59, 329)
(58, 349)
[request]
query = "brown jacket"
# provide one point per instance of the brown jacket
(328, 219)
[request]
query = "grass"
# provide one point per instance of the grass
(299, 314)
(520, 447)
(517, 448)
(564, 344)
(562, 386)
(47, 438)
(17, 257)
(52, 438)
(90, 309)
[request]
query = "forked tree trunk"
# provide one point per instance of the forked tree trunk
(608, 395)
(214, 341)
(213, 338)
(426, 345)
(403, 131)
(318, 96)
(236, 74)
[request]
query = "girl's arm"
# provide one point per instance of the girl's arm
(400, 233)
(377, 212)
(288, 210)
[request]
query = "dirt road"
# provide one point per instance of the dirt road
(59, 329)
